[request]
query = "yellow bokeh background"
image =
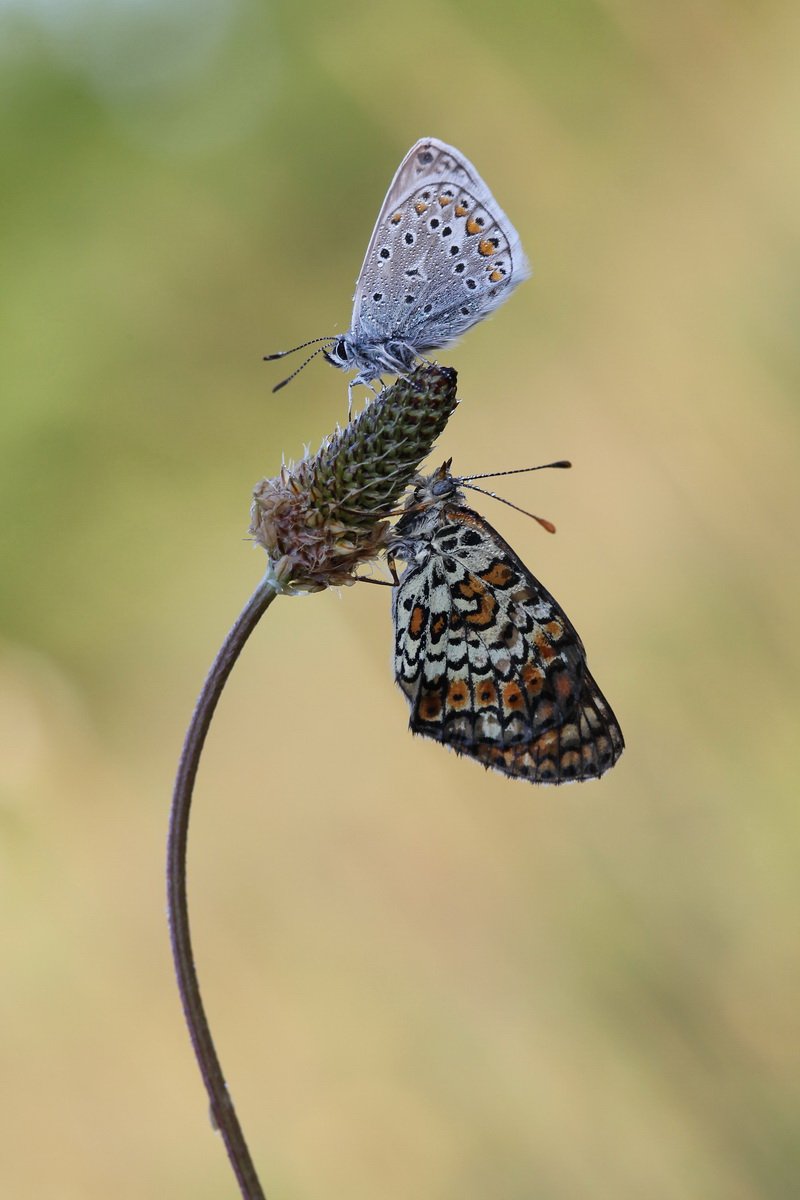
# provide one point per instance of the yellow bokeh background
(424, 980)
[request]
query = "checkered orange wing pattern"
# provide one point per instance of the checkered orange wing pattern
(490, 664)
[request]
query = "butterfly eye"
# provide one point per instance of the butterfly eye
(340, 350)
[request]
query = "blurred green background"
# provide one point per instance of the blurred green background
(424, 980)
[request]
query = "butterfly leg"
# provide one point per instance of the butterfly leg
(366, 579)
(390, 562)
(367, 383)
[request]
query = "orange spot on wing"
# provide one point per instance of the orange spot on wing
(512, 696)
(533, 679)
(496, 276)
(548, 741)
(461, 210)
(438, 626)
(397, 218)
(417, 622)
(603, 745)
(486, 693)
(473, 226)
(498, 574)
(430, 706)
(420, 207)
(485, 614)
(469, 590)
(457, 694)
(487, 246)
(542, 644)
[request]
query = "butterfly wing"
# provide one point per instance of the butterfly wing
(584, 746)
(490, 663)
(442, 255)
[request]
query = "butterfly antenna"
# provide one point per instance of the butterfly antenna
(517, 471)
(545, 524)
(294, 349)
(289, 378)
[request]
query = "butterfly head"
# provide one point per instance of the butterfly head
(431, 490)
(422, 510)
(371, 358)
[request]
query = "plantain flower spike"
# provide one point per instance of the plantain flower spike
(325, 515)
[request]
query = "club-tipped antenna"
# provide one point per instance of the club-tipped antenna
(545, 524)
(562, 463)
(294, 349)
(289, 378)
(543, 521)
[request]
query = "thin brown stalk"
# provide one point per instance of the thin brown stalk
(222, 1110)
(315, 537)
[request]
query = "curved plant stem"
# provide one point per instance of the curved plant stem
(222, 1109)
